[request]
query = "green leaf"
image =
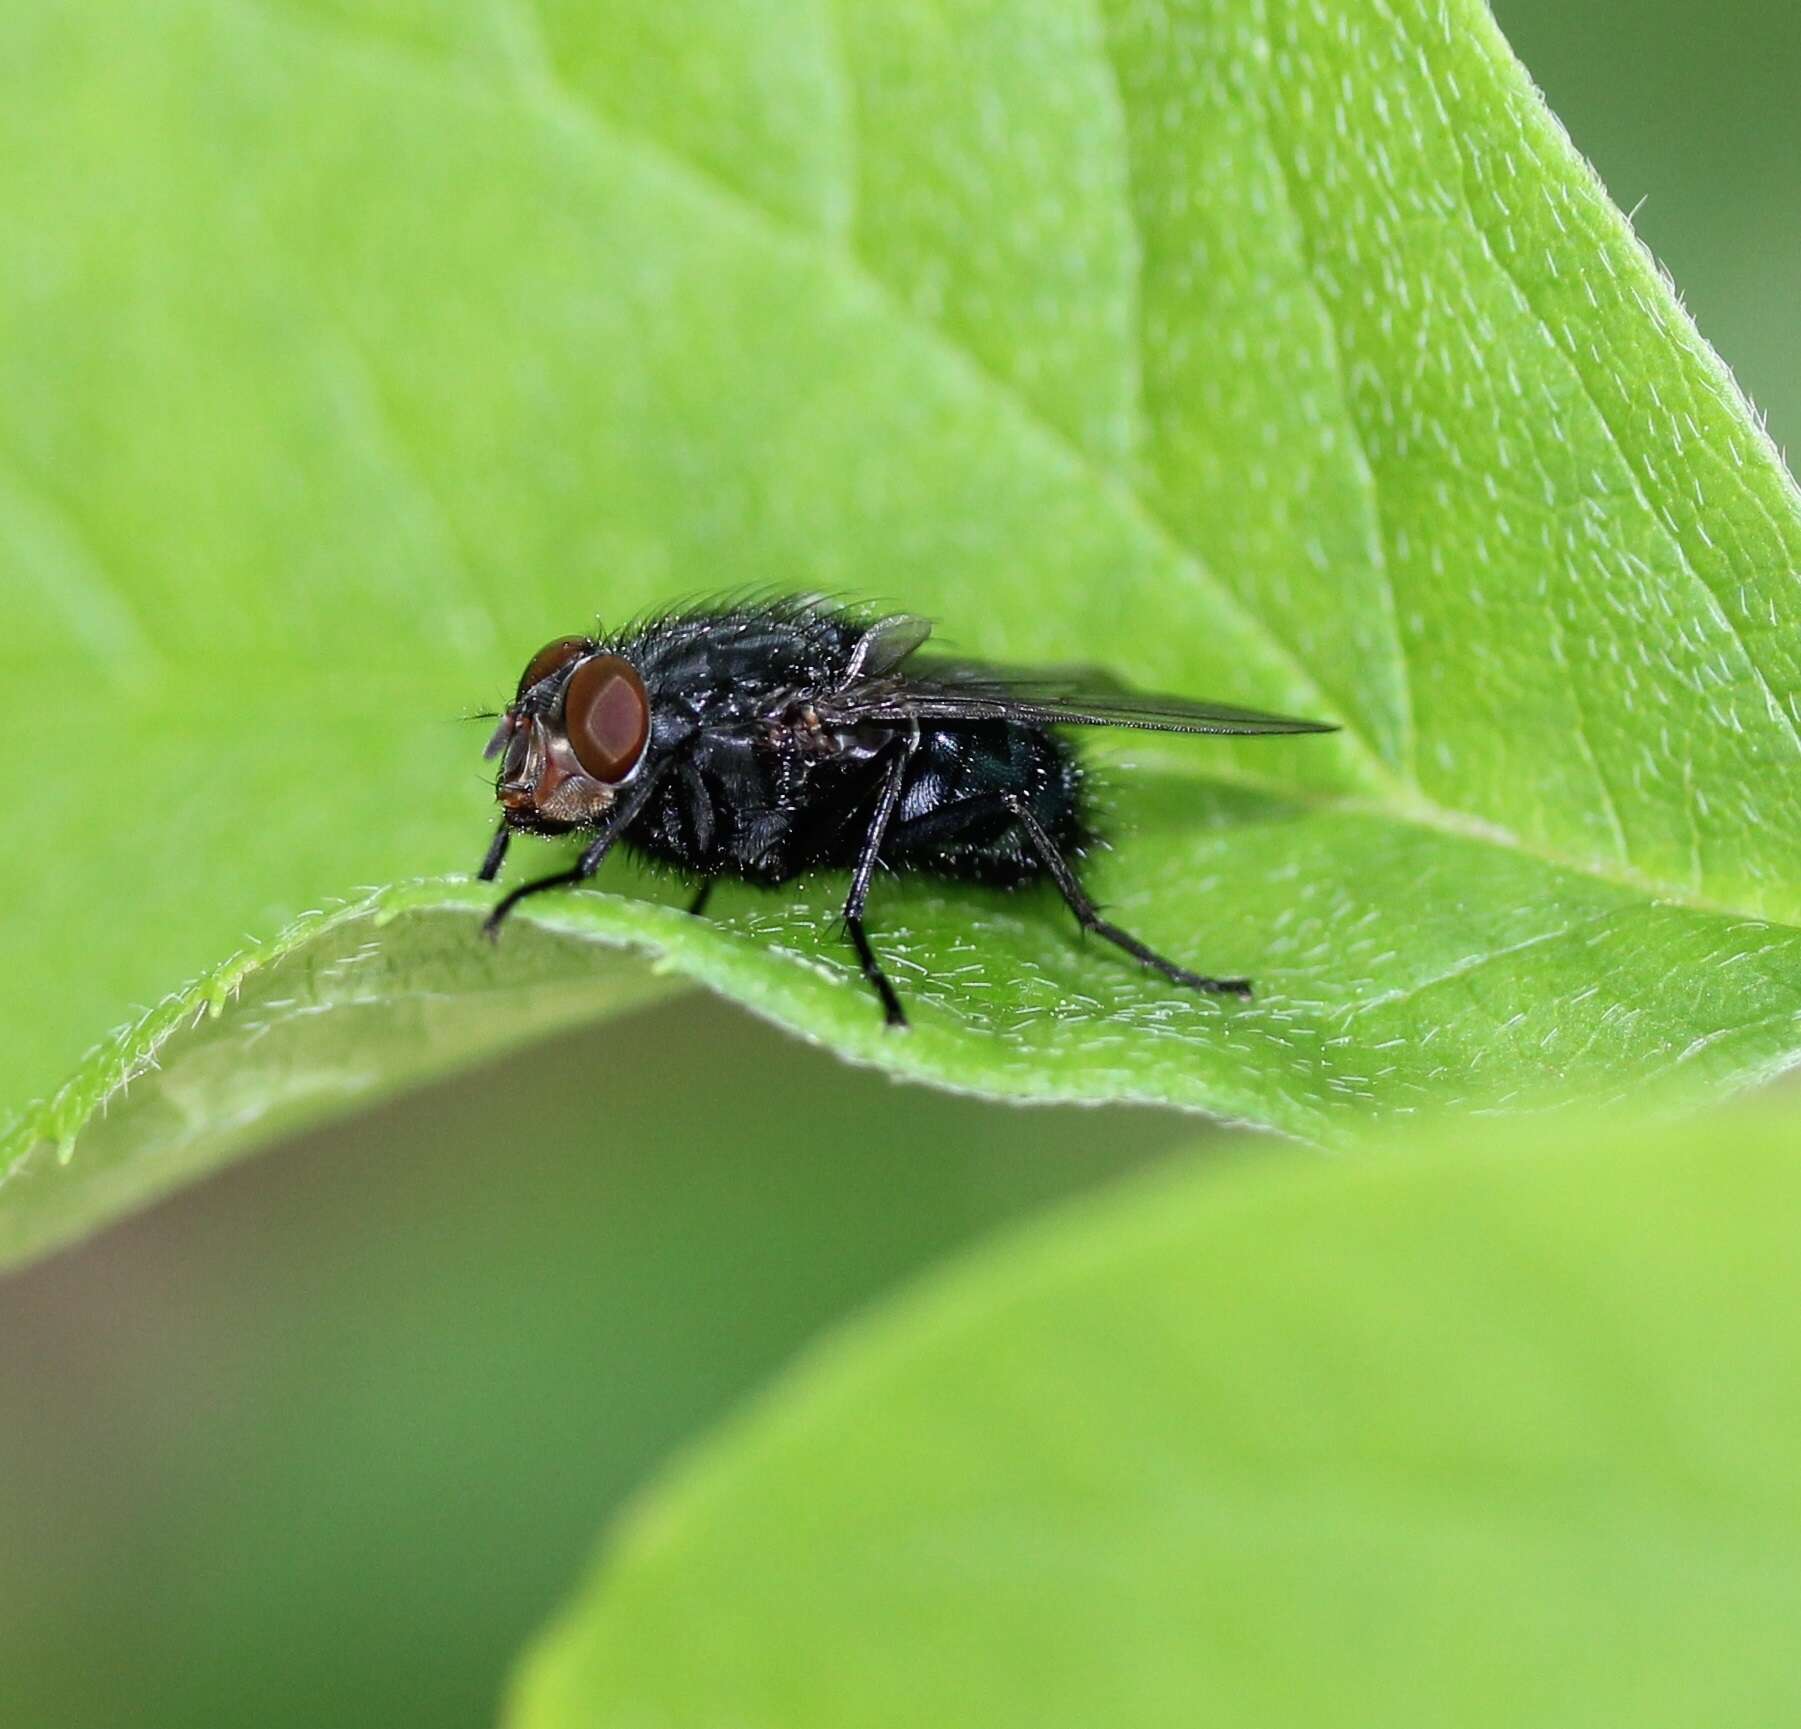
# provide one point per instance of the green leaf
(1278, 353)
(1475, 1436)
(343, 1008)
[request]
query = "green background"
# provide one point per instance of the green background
(325, 1440)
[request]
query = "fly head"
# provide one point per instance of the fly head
(574, 734)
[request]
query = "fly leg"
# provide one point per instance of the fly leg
(702, 895)
(618, 820)
(497, 851)
(1089, 918)
(868, 856)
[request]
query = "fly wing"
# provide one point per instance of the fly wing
(952, 693)
(886, 643)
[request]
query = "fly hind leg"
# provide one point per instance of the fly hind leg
(1089, 918)
(868, 856)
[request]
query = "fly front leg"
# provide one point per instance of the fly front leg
(619, 819)
(1088, 915)
(497, 852)
(868, 857)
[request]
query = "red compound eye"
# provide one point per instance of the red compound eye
(606, 717)
(553, 657)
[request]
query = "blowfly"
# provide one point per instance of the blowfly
(764, 740)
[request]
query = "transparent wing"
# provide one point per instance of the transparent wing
(954, 692)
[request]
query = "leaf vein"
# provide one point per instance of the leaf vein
(1375, 540)
(1478, 963)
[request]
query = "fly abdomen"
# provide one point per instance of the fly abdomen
(953, 818)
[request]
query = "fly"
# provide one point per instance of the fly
(767, 740)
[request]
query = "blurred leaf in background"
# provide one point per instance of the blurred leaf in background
(1486, 1437)
(326, 1445)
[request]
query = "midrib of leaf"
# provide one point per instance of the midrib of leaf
(1377, 543)
(1115, 87)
